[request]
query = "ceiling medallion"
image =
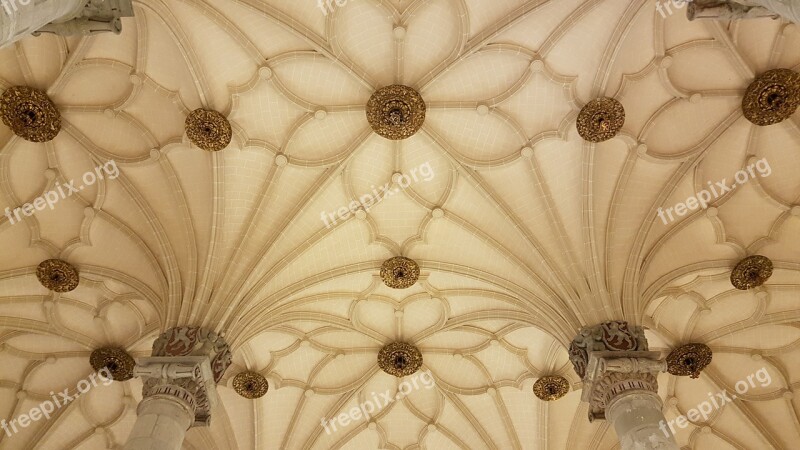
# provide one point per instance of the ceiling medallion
(551, 387)
(773, 97)
(208, 129)
(601, 119)
(399, 359)
(250, 384)
(751, 272)
(396, 112)
(30, 114)
(689, 359)
(116, 360)
(57, 275)
(399, 272)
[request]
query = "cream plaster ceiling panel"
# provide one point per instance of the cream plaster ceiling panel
(524, 232)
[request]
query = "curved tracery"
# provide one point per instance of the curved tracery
(516, 231)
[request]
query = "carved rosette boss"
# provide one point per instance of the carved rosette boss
(772, 97)
(601, 119)
(619, 382)
(187, 363)
(30, 114)
(396, 112)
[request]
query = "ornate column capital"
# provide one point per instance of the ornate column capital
(725, 10)
(186, 365)
(743, 9)
(612, 358)
(607, 336)
(93, 18)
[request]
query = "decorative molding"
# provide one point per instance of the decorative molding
(772, 97)
(250, 384)
(57, 275)
(187, 363)
(725, 10)
(751, 272)
(601, 119)
(689, 360)
(187, 391)
(396, 112)
(96, 17)
(612, 359)
(551, 387)
(611, 385)
(399, 272)
(30, 114)
(187, 378)
(399, 359)
(114, 359)
(195, 341)
(607, 336)
(208, 130)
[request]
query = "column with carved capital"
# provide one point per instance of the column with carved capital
(619, 383)
(788, 9)
(744, 9)
(20, 18)
(179, 390)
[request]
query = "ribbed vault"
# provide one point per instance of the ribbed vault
(523, 231)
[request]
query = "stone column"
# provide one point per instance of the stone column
(20, 18)
(162, 423)
(788, 9)
(744, 9)
(179, 387)
(619, 383)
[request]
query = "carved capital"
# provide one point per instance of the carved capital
(95, 17)
(195, 341)
(726, 10)
(632, 365)
(607, 336)
(186, 365)
(612, 359)
(188, 379)
(172, 368)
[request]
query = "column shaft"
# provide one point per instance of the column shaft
(178, 387)
(639, 422)
(161, 425)
(19, 18)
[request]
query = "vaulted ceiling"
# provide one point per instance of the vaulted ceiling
(524, 232)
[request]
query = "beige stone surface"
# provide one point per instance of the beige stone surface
(523, 234)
